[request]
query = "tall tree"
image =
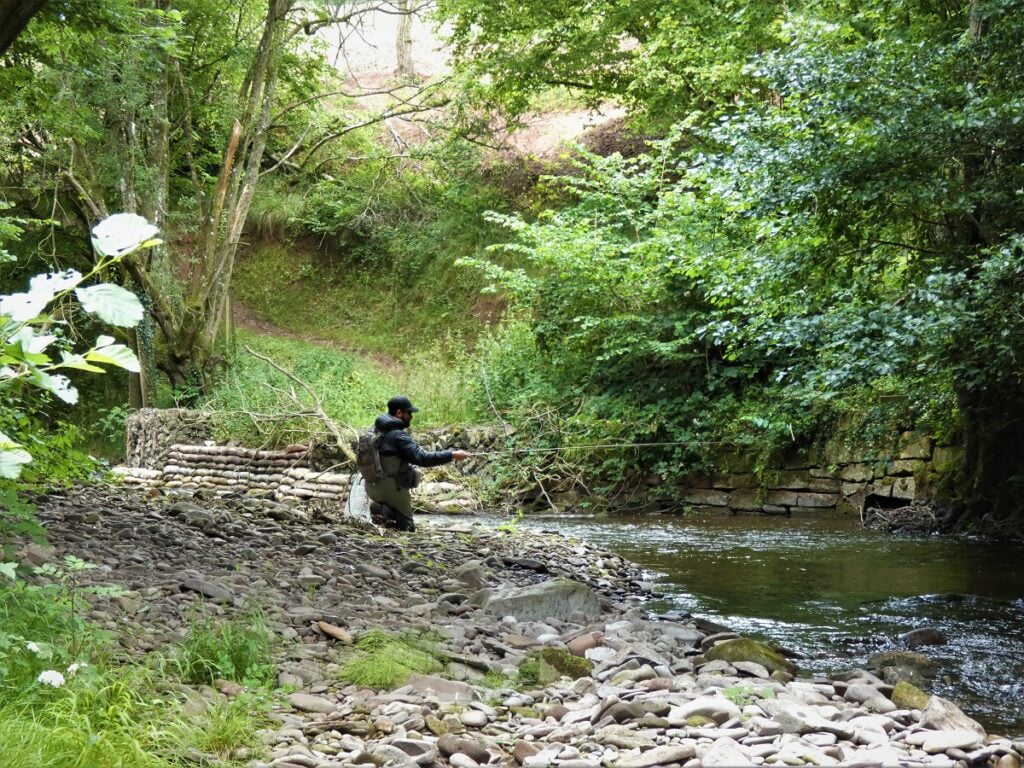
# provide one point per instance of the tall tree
(177, 129)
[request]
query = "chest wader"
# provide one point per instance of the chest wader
(391, 494)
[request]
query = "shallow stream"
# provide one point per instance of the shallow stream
(836, 593)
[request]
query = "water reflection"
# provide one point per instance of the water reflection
(837, 593)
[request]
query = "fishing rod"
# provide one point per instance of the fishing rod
(601, 446)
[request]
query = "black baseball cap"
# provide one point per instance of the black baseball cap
(401, 403)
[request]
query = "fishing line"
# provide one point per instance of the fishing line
(601, 446)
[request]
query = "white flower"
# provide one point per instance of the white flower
(34, 647)
(121, 233)
(75, 667)
(51, 677)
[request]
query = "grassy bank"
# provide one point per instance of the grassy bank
(351, 389)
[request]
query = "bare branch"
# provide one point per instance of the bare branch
(312, 25)
(375, 119)
(333, 426)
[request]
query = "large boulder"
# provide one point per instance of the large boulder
(943, 715)
(552, 599)
(907, 666)
(745, 649)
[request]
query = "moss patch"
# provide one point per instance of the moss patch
(745, 649)
(700, 721)
(555, 662)
(908, 696)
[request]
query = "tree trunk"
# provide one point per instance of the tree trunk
(194, 332)
(14, 17)
(403, 43)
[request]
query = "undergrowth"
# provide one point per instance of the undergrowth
(67, 702)
(383, 661)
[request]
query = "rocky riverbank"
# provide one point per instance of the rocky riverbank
(550, 659)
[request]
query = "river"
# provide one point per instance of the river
(836, 593)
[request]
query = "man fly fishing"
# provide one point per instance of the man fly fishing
(386, 459)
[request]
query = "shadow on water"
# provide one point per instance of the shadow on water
(837, 593)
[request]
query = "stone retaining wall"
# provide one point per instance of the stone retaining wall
(835, 479)
(150, 433)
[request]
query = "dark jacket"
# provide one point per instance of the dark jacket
(398, 442)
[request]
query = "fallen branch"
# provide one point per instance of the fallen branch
(317, 409)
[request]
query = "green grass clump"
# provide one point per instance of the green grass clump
(230, 723)
(237, 650)
(109, 715)
(384, 661)
(351, 392)
(494, 679)
(529, 671)
(114, 717)
(741, 695)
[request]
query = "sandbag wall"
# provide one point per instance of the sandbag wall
(222, 469)
(157, 458)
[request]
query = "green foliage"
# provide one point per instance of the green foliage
(384, 661)
(59, 710)
(844, 247)
(32, 332)
(388, 232)
(228, 649)
(664, 58)
(353, 388)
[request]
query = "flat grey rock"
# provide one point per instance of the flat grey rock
(671, 753)
(307, 702)
(555, 598)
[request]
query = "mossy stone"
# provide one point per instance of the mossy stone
(435, 725)
(908, 696)
(745, 649)
(556, 662)
(525, 712)
(908, 666)
(700, 721)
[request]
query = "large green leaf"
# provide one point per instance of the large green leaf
(111, 304)
(78, 362)
(12, 457)
(21, 307)
(122, 233)
(107, 352)
(59, 385)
